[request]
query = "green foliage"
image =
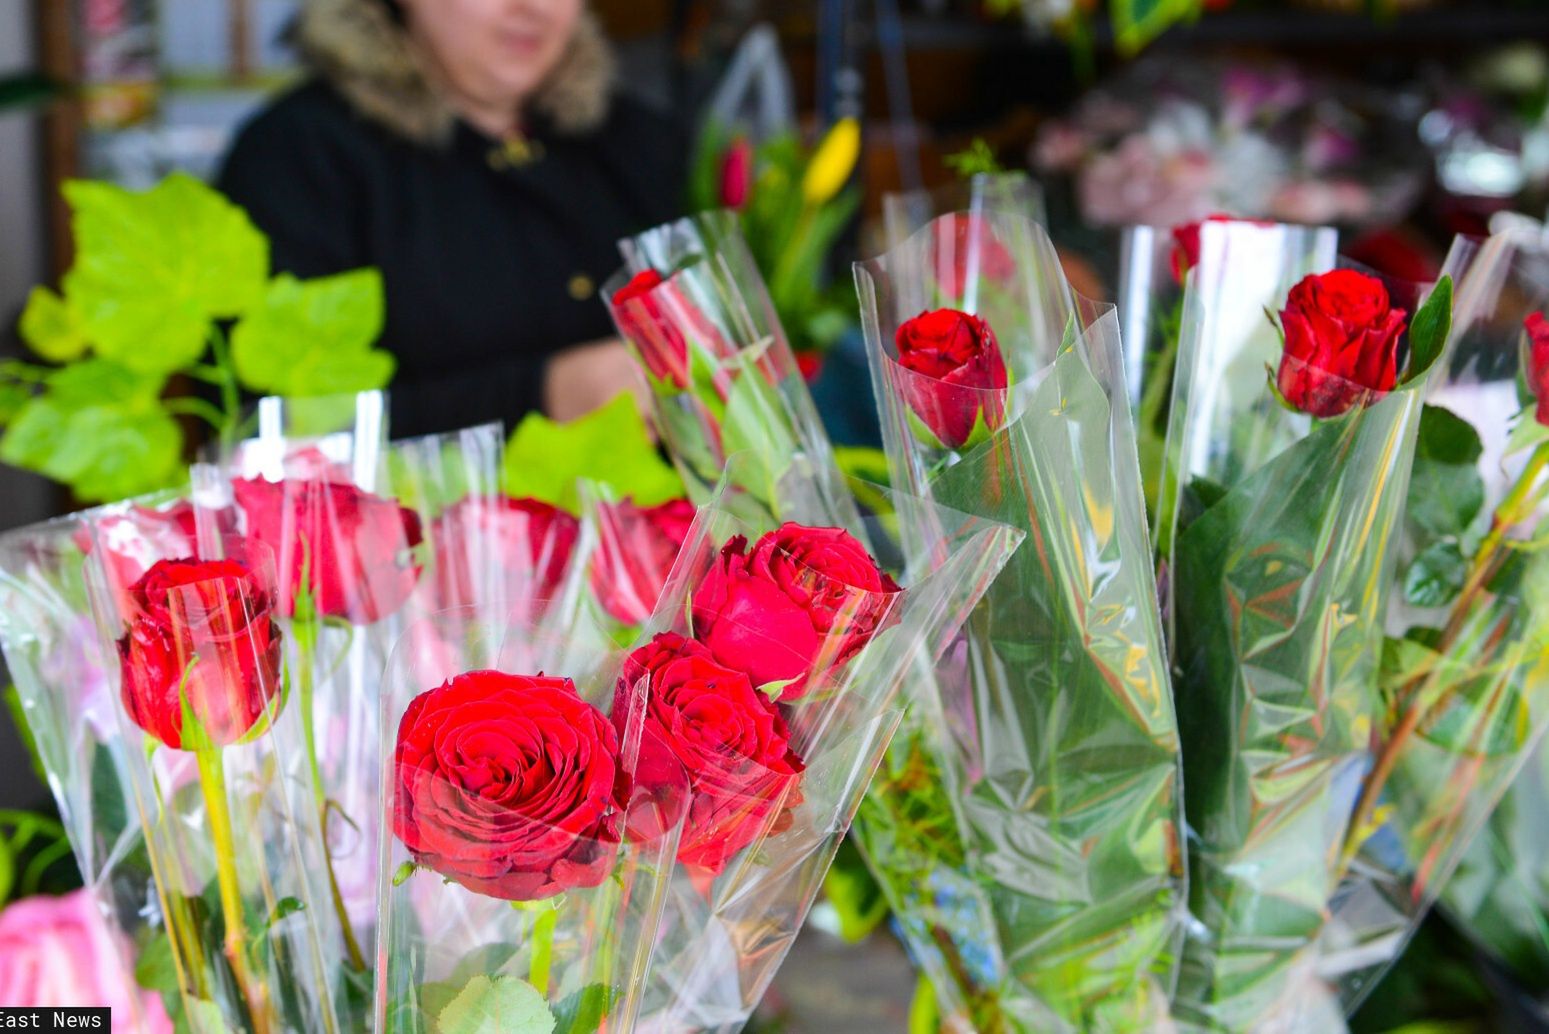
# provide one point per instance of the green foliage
(1428, 330)
(855, 895)
(1446, 492)
(976, 159)
(583, 1011)
(314, 337)
(611, 446)
(1436, 575)
(498, 1005)
(1137, 22)
(158, 276)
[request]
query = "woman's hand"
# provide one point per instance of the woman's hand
(580, 379)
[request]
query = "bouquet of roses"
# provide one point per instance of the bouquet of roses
(1026, 826)
(1282, 501)
(766, 683)
(1469, 642)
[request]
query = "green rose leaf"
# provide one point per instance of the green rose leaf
(314, 337)
(498, 1005)
(1446, 492)
(1428, 330)
(52, 327)
(155, 969)
(154, 268)
(1436, 576)
(611, 446)
(583, 1011)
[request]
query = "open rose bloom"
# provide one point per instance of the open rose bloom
(1295, 414)
(693, 307)
(1064, 651)
(213, 775)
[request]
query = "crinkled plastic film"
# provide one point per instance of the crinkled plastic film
(1279, 537)
(724, 935)
(1026, 825)
(1012, 193)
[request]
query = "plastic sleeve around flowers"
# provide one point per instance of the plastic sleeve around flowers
(1038, 875)
(1279, 535)
(66, 695)
(729, 923)
(1474, 661)
(210, 749)
(722, 375)
(562, 927)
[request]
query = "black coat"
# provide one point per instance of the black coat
(493, 260)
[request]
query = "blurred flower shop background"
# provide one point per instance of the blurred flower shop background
(1402, 123)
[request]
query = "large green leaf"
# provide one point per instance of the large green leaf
(611, 445)
(52, 327)
(154, 268)
(1446, 492)
(314, 337)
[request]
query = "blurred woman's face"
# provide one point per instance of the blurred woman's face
(493, 53)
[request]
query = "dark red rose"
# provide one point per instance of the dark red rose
(729, 738)
(974, 251)
(1538, 362)
(959, 375)
(509, 785)
(204, 631)
(804, 600)
(635, 550)
(1341, 342)
(737, 173)
(657, 339)
(354, 548)
(136, 537)
(517, 548)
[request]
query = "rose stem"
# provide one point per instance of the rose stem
(1507, 515)
(306, 646)
(212, 780)
(543, 948)
(226, 379)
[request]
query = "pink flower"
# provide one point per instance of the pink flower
(62, 952)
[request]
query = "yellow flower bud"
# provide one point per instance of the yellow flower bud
(832, 162)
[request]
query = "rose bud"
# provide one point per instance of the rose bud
(354, 548)
(531, 540)
(957, 374)
(1538, 362)
(803, 600)
(202, 630)
(737, 173)
(509, 785)
(974, 249)
(1341, 342)
(635, 551)
(729, 738)
(656, 338)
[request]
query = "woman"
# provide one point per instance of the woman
(474, 151)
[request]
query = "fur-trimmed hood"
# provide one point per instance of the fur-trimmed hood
(358, 47)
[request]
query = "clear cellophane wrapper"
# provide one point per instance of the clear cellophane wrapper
(213, 774)
(1277, 539)
(67, 697)
(729, 921)
(1463, 807)
(314, 486)
(722, 375)
(1026, 823)
(1011, 193)
(567, 942)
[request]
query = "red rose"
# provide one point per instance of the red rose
(1341, 342)
(353, 547)
(528, 545)
(737, 173)
(658, 341)
(1185, 253)
(958, 375)
(509, 785)
(729, 738)
(974, 249)
(804, 600)
(635, 550)
(1538, 362)
(203, 630)
(134, 539)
